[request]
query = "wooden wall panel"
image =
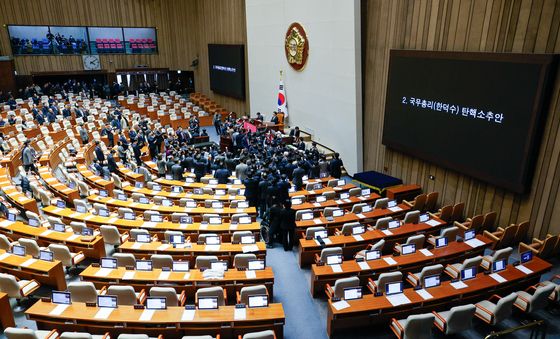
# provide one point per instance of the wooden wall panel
(185, 27)
(524, 26)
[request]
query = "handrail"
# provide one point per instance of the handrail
(534, 324)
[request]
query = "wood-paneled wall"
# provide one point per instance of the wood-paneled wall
(184, 28)
(527, 26)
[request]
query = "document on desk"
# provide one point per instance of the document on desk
(363, 265)
(58, 310)
(340, 305)
(361, 216)
(474, 243)
(387, 232)
(28, 262)
(4, 256)
(250, 274)
(232, 226)
(185, 245)
(149, 224)
(426, 252)
(103, 313)
(240, 314)
(212, 248)
(112, 220)
(395, 209)
(75, 215)
(188, 315)
(358, 237)
(89, 217)
(46, 233)
(56, 210)
(389, 261)
(250, 248)
(338, 202)
(137, 245)
(458, 285)
(163, 247)
(362, 198)
(187, 276)
(311, 192)
(317, 204)
(6, 223)
(336, 268)
(103, 272)
(524, 269)
(424, 294)
(164, 275)
(73, 237)
(147, 315)
(128, 275)
(498, 277)
(398, 299)
(327, 241)
(317, 221)
(432, 222)
(203, 226)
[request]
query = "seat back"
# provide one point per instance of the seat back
(136, 231)
(412, 217)
(235, 217)
(458, 212)
(110, 234)
(241, 260)
(301, 212)
(450, 233)
(341, 284)
(75, 335)
(460, 318)
(214, 291)
(507, 236)
(62, 254)
(161, 260)
(125, 259)
(417, 240)
(310, 231)
(471, 262)
(357, 208)
(420, 202)
(325, 252)
(77, 227)
(348, 227)
(268, 334)
(20, 333)
(237, 235)
(354, 192)
(125, 294)
(330, 195)
(548, 247)
(382, 223)
(539, 299)
(251, 290)
(500, 254)
(176, 217)
(477, 222)
(387, 277)
(123, 210)
(429, 270)
(381, 203)
(5, 243)
(30, 245)
(205, 261)
(132, 336)
(378, 245)
(504, 307)
(168, 292)
(83, 292)
(431, 201)
(446, 213)
(168, 234)
(328, 211)
(521, 233)
(419, 326)
(9, 285)
(489, 220)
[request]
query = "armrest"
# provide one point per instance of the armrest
(501, 229)
(538, 241)
(124, 237)
(395, 321)
(491, 236)
(485, 310)
(531, 288)
(495, 297)
(317, 258)
(225, 295)
(106, 336)
(525, 300)
(441, 319)
(103, 290)
(469, 220)
(337, 231)
(408, 203)
(460, 225)
(52, 334)
(31, 290)
(329, 291)
(556, 277)
(452, 268)
(155, 237)
(142, 296)
(527, 247)
(371, 285)
(433, 215)
(238, 297)
(182, 298)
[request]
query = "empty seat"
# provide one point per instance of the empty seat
(83, 292)
(326, 252)
(488, 260)
(31, 247)
(247, 291)
(173, 299)
(381, 203)
(382, 223)
(417, 279)
(125, 259)
(494, 313)
(419, 202)
(377, 246)
(384, 278)
(412, 217)
(337, 291)
(456, 320)
(205, 261)
(542, 248)
(241, 260)
(418, 326)
(417, 240)
(357, 208)
(16, 288)
(310, 231)
(137, 231)
(112, 236)
(63, 254)
(126, 294)
(454, 270)
(529, 303)
(162, 260)
(268, 334)
(502, 237)
(214, 291)
(27, 333)
(237, 235)
(449, 232)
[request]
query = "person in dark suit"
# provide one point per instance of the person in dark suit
(99, 152)
(274, 118)
(111, 163)
(288, 226)
(109, 133)
(136, 149)
(252, 190)
(222, 174)
(177, 171)
(199, 167)
(297, 177)
(275, 214)
(335, 166)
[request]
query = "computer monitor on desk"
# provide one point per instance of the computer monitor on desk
(393, 288)
(61, 298)
(373, 255)
(432, 281)
(468, 273)
(408, 249)
(259, 300)
(107, 301)
(334, 259)
(156, 303)
(108, 262)
(352, 293)
(208, 303)
(499, 265)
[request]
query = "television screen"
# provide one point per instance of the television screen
(30, 40)
(476, 113)
(140, 40)
(106, 40)
(227, 69)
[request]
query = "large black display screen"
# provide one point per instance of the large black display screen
(476, 113)
(227, 69)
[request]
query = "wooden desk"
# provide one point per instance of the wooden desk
(189, 282)
(193, 185)
(59, 189)
(225, 229)
(94, 180)
(166, 210)
(92, 248)
(226, 251)
(302, 225)
(177, 196)
(454, 252)
(17, 198)
(6, 315)
(340, 203)
(46, 272)
(169, 322)
(406, 192)
(371, 310)
(353, 244)
(313, 193)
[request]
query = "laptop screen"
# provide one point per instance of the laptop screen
(317, 186)
(156, 303)
(468, 273)
(394, 224)
(11, 217)
(408, 249)
(367, 208)
(208, 303)
(424, 217)
(167, 203)
(197, 190)
(215, 220)
(156, 187)
(219, 266)
(190, 204)
(499, 265)
(139, 184)
(391, 203)
(142, 237)
(321, 234)
(432, 281)
(393, 287)
(338, 213)
(212, 240)
(344, 195)
(217, 204)
(33, 222)
(18, 250)
(365, 191)
(86, 231)
(248, 239)
(441, 242)
(177, 239)
(526, 256)
(176, 189)
(212, 182)
(373, 254)
(59, 297)
(181, 266)
(103, 212)
(334, 259)
(255, 265)
(103, 193)
(352, 293)
(297, 201)
(470, 234)
(122, 196)
(236, 182)
(59, 227)
(220, 192)
(156, 218)
(129, 216)
(109, 301)
(144, 265)
(321, 198)
(108, 263)
(358, 230)
(60, 204)
(189, 180)
(245, 220)
(341, 182)
(46, 255)
(144, 200)
(307, 216)
(186, 220)
(81, 209)
(260, 300)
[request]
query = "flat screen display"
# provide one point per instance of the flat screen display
(475, 113)
(227, 69)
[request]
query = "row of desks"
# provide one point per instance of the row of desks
(26, 267)
(192, 250)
